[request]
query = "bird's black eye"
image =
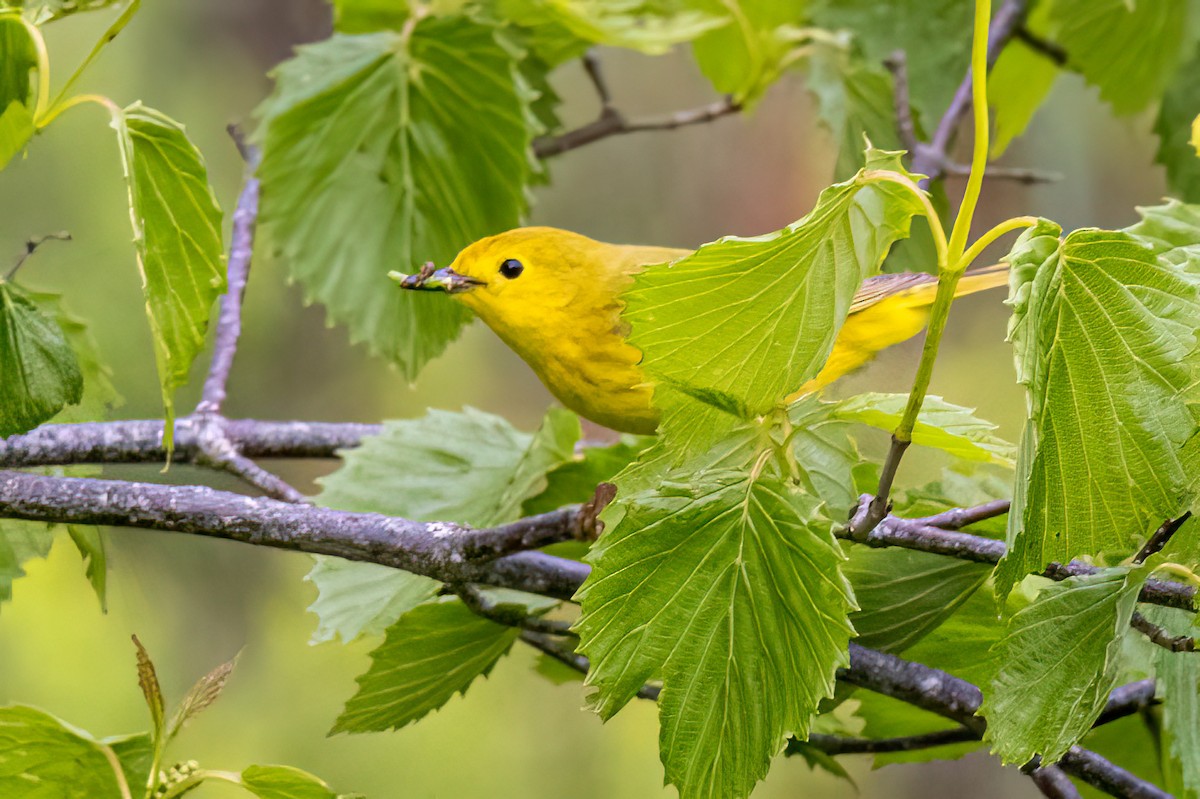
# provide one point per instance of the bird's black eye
(511, 268)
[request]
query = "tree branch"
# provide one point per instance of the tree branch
(1160, 637)
(838, 745)
(1054, 783)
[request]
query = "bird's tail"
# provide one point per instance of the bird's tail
(988, 277)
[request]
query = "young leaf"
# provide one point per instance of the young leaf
(357, 599)
(742, 322)
(942, 425)
(1099, 468)
(152, 691)
(39, 373)
(746, 55)
(429, 655)
(20, 541)
(201, 696)
(687, 588)
(177, 232)
(41, 756)
(375, 158)
(1176, 149)
(1058, 662)
(935, 36)
(1126, 49)
(90, 543)
(284, 782)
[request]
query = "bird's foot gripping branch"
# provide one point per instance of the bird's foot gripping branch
(769, 586)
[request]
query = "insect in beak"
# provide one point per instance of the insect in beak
(430, 279)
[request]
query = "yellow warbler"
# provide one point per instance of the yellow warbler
(554, 297)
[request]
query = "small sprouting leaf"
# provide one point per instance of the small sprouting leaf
(1179, 133)
(1046, 696)
(357, 599)
(429, 655)
(90, 543)
(40, 756)
(744, 321)
(16, 129)
(20, 541)
(284, 782)
(942, 425)
(686, 588)
(152, 691)
(1098, 310)
(177, 232)
(1126, 49)
(201, 696)
(39, 373)
(374, 158)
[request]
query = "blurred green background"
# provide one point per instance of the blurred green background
(195, 603)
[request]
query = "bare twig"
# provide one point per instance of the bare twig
(958, 518)
(510, 616)
(897, 64)
(566, 654)
(31, 246)
(1015, 174)
(613, 123)
(1160, 637)
(838, 745)
(1051, 50)
(1054, 783)
(1162, 536)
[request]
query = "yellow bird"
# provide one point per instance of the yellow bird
(554, 297)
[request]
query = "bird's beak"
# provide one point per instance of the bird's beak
(430, 279)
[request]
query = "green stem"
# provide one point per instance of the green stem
(966, 209)
(118, 25)
(183, 786)
(58, 108)
(935, 222)
(1016, 223)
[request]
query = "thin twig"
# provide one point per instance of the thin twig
(613, 123)
(1051, 50)
(1054, 783)
(1161, 637)
(1161, 537)
(1016, 174)
(838, 745)
(897, 64)
(958, 518)
(480, 604)
(31, 246)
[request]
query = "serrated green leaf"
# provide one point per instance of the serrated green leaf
(1178, 150)
(1178, 676)
(1127, 49)
(90, 543)
(744, 321)
(284, 782)
(1017, 86)
(883, 26)
(470, 467)
(99, 393)
(358, 599)
(16, 129)
(177, 232)
(1172, 232)
(19, 61)
(374, 159)
(429, 655)
(746, 55)
(855, 100)
(42, 757)
(1047, 695)
(825, 454)
(1098, 469)
(20, 541)
(39, 373)
(903, 595)
(942, 425)
(697, 575)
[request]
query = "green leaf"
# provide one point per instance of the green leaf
(942, 425)
(855, 100)
(177, 232)
(16, 129)
(1176, 151)
(99, 393)
(1098, 469)
(825, 454)
(1058, 662)
(136, 755)
(687, 588)
(563, 29)
(284, 782)
(1172, 231)
(20, 59)
(429, 655)
(575, 479)
(375, 158)
(743, 321)
(1179, 685)
(935, 36)
(20, 541)
(471, 467)
(358, 599)
(1017, 86)
(90, 543)
(44, 758)
(1127, 49)
(745, 56)
(366, 16)
(903, 595)
(39, 373)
